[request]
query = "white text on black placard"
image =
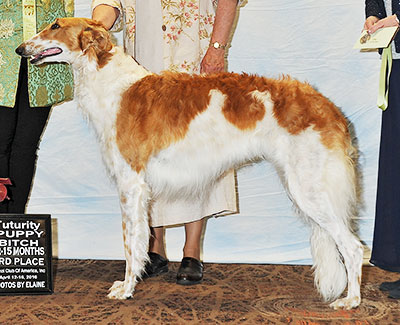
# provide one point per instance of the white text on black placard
(25, 254)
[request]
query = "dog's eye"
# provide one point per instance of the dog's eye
(55, 26)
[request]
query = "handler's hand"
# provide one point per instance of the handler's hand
(381, 23)
(213, 61)
(369, 22)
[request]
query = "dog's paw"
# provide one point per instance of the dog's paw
(346, 303)
(118, 291)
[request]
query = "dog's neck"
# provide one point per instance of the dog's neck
(86, 67)
(101, 87)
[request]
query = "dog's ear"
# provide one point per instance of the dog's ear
(95, 41)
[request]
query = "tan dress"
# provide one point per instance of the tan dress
(174, 35)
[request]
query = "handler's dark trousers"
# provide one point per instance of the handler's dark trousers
(20, 130)
(386, 242)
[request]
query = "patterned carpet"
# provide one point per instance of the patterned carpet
(230, 294)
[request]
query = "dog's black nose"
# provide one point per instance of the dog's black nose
(20, 50)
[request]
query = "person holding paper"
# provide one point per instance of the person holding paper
(26, 93)
(376, 15)
(386, 240)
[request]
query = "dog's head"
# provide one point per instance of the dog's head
(65, 40)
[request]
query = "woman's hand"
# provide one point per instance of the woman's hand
(372, 24)
(213, 61)
(369, 22)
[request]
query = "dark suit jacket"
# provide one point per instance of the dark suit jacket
(377, 8)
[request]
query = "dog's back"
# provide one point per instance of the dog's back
(164, 108)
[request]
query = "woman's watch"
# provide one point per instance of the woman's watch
(218, 45)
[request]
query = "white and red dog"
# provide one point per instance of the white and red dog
(173, 135)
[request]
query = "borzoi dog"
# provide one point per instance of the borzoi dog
(173, 135)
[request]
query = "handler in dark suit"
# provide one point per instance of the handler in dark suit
(386, 242)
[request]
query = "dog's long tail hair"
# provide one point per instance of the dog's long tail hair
(322, 184)
(330, 276)
(334, 254)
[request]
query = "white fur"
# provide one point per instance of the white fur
(319, 181)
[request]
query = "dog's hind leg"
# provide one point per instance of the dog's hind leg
(134, 195)
(323, 188)
(352, 252)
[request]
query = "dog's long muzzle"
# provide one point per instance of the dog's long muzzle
(36, 56)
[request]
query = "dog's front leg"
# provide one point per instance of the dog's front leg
(134, 195)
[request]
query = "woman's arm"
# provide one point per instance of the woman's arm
(214, 59)
(376, 16)
(375, 8)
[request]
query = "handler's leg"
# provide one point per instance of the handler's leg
(191, 269)
(28, 130)
(193, 231)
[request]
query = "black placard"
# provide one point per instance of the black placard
(25, 254)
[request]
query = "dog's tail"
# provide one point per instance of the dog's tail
(330, 275)
(330, 270)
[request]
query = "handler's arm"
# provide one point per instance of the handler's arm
(376, 16)
(105, 14)
(214, 59)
